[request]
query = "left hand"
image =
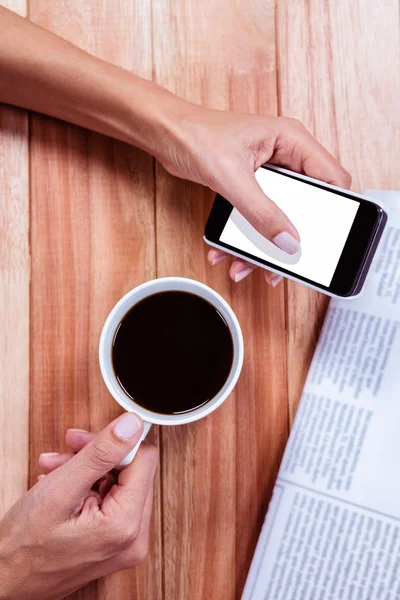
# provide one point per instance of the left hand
(83, 519)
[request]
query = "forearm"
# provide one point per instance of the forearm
(42, 72)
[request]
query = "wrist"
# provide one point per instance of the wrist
(15, 571)
(156, 118)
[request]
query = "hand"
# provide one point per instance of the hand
(222, 150)
(81, 521)
(215, 148)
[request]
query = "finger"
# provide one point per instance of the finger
(317, 162)
(78, 438)
(297, 149)
(139, 549)
(105, 484)
(272, 278)
(88, 503)
(244, 192)
(146, 518)
(240, 269)
(215, 256)
(134, 484)
(72, 481)
(52, 460)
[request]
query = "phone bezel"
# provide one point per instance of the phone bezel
(361, 242)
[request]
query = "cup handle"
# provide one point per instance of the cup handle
(128, 459)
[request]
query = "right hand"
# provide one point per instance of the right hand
(83, 520)
(222, 150)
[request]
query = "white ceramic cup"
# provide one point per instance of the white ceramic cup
(107, 338)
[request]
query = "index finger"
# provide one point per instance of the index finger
(320, 164)
(78, 438)
(307, 155)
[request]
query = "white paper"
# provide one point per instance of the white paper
(332, 530)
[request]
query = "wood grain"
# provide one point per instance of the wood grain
(14, 298)
(340, 76)
(218, 474)
(92, 241)
(304, 55)
(103, 219)
(198, 460)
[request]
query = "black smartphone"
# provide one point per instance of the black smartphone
(339, 232)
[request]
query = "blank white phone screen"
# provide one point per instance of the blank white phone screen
(322, 218)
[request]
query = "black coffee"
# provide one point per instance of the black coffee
(172, 352)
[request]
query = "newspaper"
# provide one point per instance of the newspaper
(332, 530)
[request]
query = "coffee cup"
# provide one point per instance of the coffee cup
(112, 325)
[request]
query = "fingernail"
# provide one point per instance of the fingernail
(48, 454)
(242, 274)
(127, 426)
(286, 242)
(78, 430)
(41, 477)
(218, 259)
(275, 280)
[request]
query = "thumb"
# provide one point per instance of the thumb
(261, 212)
(98, 457)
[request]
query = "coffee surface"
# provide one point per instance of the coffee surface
(172, 352)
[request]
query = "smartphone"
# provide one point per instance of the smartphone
(339, 232)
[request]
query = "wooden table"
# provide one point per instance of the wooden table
(84, 219)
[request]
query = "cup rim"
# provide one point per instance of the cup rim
(125, 304)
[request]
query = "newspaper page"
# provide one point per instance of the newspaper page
(332, 530)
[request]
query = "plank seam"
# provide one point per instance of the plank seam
(161, 532)
(286, 285)
(277, 62)
(155, 214)
(29, 139)
(333, 86)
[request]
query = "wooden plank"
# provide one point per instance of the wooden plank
(92, 241)
(218, 474)
(340, 76)
(198, 460)
(305, 92)
(367, 89)
(14, 297)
